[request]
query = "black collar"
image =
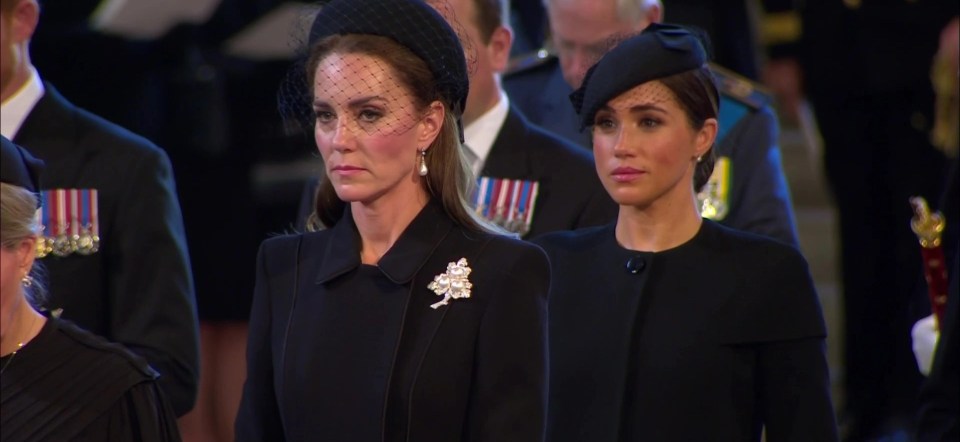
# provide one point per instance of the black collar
(401, 263)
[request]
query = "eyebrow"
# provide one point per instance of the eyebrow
(637, 108)
(357, 102)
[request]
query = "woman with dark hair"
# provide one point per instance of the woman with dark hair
(57, 381)
(665, 326)
(407, 317)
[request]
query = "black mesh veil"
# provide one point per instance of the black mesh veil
(429, 29)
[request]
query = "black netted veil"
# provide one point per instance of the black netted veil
(422, 27)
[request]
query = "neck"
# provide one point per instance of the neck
(488, 102)
(18, 78)
(381, 223)
(660, 226)
(25, 324)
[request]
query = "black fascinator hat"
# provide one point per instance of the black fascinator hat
(413, 24)
(659, 51)
(18, 167)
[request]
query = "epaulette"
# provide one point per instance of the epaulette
(529, 61)
(741, 88)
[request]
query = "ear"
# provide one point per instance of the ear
(706, 136)
(431, 124)
(499, 48)
(25, 254)
(654, 13)
(24, 18)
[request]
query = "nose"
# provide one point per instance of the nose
(343, 135)
(623, 144)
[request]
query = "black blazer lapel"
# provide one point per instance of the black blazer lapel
(52, 133)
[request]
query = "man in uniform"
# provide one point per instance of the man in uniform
(531, 182)
(113, 242)
(748, 190)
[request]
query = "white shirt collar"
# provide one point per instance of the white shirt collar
(14, 111)
(480, 134)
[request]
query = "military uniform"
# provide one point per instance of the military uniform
(749, 188)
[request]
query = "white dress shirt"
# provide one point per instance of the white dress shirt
(480, 135)
(15, 110)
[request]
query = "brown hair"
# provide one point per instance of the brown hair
(18, 208)
(696, 92)
(490, 15)
(450, 179)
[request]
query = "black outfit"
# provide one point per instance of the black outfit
(711, 340)
(867, 73)
(570, 196)
(137, 289)
(344, 351)
(68, 384)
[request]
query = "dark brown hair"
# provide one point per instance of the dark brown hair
(490, 15)
(696, 92)
(449, 179)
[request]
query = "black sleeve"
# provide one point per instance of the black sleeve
(510, 399)
(142, 414)
(152, 306)
(259, 416)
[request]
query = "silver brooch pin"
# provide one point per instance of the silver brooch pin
(452, 284)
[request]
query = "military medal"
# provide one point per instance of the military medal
(929, 227)
(509, 203)
(69, 222)
(713, 198)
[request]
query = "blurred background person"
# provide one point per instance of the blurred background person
(435, 320)
(115, 252)
(639, 350)
(58, 381)
(866, 71)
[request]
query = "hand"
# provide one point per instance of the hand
(925, 337)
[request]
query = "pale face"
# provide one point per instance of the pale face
(15, 263)
(582, 32)
(646, 149)
(368, 129)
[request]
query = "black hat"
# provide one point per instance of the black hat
(659, 51)
(411, 23)
(18, 167)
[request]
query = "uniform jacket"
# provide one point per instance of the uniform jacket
(570, 196)
(471, 370)
(137, 289)
(759, 198)
(705, 341)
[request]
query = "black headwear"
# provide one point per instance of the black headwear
(659, 51)
(18, 167)
(411, 23)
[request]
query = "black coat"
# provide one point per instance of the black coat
(67, 384)
(706, 341)
(137, 289)
(472, 370)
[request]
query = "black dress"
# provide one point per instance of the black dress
(711, 340)
(343, 351)
(68, 384)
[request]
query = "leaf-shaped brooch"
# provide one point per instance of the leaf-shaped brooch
(452, 284)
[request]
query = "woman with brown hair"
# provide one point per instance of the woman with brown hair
(406, 317)
(665, 326)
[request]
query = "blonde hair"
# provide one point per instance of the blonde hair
(18, 221)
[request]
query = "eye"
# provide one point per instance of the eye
(324, 116)
(370, 115)
(649, 122)
(604, 123)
